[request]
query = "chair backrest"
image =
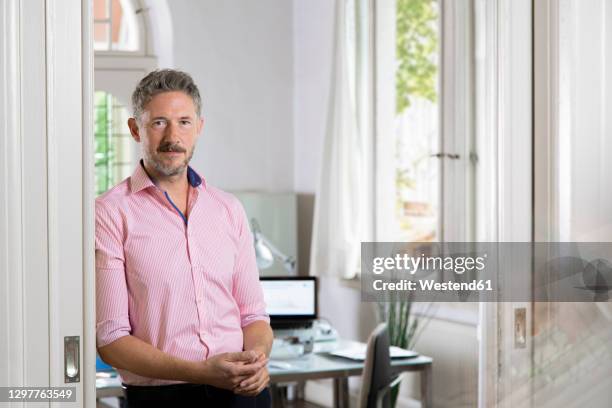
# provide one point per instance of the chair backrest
(377, 369)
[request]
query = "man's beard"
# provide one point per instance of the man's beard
(165, 169)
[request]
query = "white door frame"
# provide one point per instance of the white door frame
(46, 210)
(546, 75)
(504, 174)
(88, 167)
(23, 222)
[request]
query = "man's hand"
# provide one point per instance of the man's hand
(255, 383)
(258, 338)
(228, 370)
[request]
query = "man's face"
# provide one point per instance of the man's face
(168, 130)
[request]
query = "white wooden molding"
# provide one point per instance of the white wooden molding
(33, 151)
(546, 42)
(64, 97)
(12, 323)
(23, 215)
(159, 31)
(125, 62)
(456, 121)
(504, 175)
(384, 116)
(88, 366)
(486, 16)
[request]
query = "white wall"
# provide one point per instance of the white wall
(241, 55)
(313, 32)
(264, 70)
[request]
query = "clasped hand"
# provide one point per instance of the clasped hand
(245, 373)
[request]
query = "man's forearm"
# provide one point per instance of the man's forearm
(258, 336)
(143, 359)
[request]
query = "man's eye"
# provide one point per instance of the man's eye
(185, 122)
(158, 123)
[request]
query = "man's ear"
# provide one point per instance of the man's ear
(200, 124)
(134, 130)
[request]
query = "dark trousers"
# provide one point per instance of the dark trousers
(190, 396)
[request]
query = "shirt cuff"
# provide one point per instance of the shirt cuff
(108, 331)
(248, 319)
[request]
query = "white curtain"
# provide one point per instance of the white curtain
(340, 197)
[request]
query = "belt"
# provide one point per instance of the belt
(186, 395)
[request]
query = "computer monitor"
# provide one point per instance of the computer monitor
(290, 298)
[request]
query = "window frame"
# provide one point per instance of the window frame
(116, 71)
(142, 27)
(457, 130)
(457, 219)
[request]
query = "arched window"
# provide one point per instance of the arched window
(116, 26)
(123, 54)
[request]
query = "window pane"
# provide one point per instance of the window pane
(124, 35)
(101, 36)
(122, 142)
(417, 175)
(100, 9)
(113, 143)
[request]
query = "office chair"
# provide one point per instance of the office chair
(377, 379)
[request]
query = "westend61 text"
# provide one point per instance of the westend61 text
(432, 285)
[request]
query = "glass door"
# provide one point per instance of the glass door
(572, 357)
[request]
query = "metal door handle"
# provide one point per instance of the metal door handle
(72, 365)
(441, 155)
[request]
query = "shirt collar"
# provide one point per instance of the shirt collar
(140, 178)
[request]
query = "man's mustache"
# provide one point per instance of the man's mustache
(171, 148)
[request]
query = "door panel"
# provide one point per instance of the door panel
(42, 217)
(572, 356)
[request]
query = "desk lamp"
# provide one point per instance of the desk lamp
(266, 252)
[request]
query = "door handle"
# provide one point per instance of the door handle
(72, 364)
(442, 155)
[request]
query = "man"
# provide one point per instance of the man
(180, 310)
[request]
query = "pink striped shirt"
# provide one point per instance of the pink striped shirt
(187, 288)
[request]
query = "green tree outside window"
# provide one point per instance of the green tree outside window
(113, 144)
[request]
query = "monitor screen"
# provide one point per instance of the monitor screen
(290, 298)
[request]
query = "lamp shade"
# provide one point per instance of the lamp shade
(263, 254)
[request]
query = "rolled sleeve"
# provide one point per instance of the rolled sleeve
(112, 317)
(247, 289)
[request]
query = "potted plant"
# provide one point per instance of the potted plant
(404, 326)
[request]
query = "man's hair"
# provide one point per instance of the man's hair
(164, 80)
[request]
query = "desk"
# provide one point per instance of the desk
(323, 365)
(319, 365)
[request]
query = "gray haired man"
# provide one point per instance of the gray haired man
(180, 310)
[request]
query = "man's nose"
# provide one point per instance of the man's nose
(171, 133)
